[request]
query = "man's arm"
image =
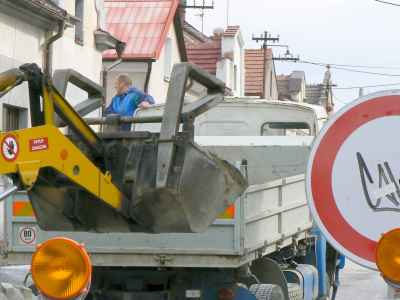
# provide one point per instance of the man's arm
(109, 109)
(145, 100)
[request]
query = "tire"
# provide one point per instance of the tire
(295, 291)
(267, 292)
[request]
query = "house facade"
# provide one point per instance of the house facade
(221, 55)
(26, 25)
(292, 87)
(153, 34)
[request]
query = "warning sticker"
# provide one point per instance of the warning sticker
(22, 209)
(39, 144)
(27, 235)
(9, 147)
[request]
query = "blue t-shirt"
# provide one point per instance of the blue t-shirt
(127, 103)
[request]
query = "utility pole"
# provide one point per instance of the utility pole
(265, 38)
(328, 91)
(202, 5)
(228, 8)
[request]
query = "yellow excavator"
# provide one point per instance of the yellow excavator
(116, 181)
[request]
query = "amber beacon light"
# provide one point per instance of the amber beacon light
(61, 269)
(388, 256)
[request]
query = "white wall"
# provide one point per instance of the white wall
(271, 87)
(20, 43)
(83, 58)
(158, 85)
(232, 47)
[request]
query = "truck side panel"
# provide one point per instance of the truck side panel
(267, 215)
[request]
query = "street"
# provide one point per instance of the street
(358, 283)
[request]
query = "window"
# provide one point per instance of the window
(285, 129)
(168, 59)
(14, 118)
(79, 13)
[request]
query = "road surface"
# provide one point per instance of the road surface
(357, 283)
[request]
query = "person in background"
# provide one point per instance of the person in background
(127, 100)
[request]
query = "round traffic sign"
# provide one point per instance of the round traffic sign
(27, 235)
(9, 147)
(353, 176)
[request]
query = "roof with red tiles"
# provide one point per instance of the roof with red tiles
(254, 77)
(231, 30)
(142, 24)
(205, 55)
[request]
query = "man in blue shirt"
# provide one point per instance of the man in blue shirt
(127, 100)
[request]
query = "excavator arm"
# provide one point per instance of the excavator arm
(120, 181)
(25, 152)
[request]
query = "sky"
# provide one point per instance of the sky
(350, 32)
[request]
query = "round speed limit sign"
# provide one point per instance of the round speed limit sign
(27, 235)
(353, 176)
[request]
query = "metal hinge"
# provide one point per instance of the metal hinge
(163, 259)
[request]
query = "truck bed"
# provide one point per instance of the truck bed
(268, 216)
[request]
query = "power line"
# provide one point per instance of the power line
(366, 86)
(386, 2)
(366, 72)
(358, 66)
(349, 70)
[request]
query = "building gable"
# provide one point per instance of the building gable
(144, 26)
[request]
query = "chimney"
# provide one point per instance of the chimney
(218, 33)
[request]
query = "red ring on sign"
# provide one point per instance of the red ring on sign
(322, 167)
(16, 141)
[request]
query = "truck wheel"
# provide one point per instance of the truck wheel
(295, 292)
(267, 292)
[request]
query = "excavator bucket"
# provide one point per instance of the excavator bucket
(199, 187)
(120, 181)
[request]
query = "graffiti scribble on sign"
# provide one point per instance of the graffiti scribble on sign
(382, 194)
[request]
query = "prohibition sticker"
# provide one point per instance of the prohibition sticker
(27, 235)
(9, 148)
(353, 176)
(39, 144)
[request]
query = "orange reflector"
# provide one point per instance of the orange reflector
(22, 209)
(388, 256)
(61, 269)
(229, 213)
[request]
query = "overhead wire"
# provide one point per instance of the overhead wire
(349, 69)
(366, 86)
(354, 66)
(387, 2)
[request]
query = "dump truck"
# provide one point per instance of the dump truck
(201, 200)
